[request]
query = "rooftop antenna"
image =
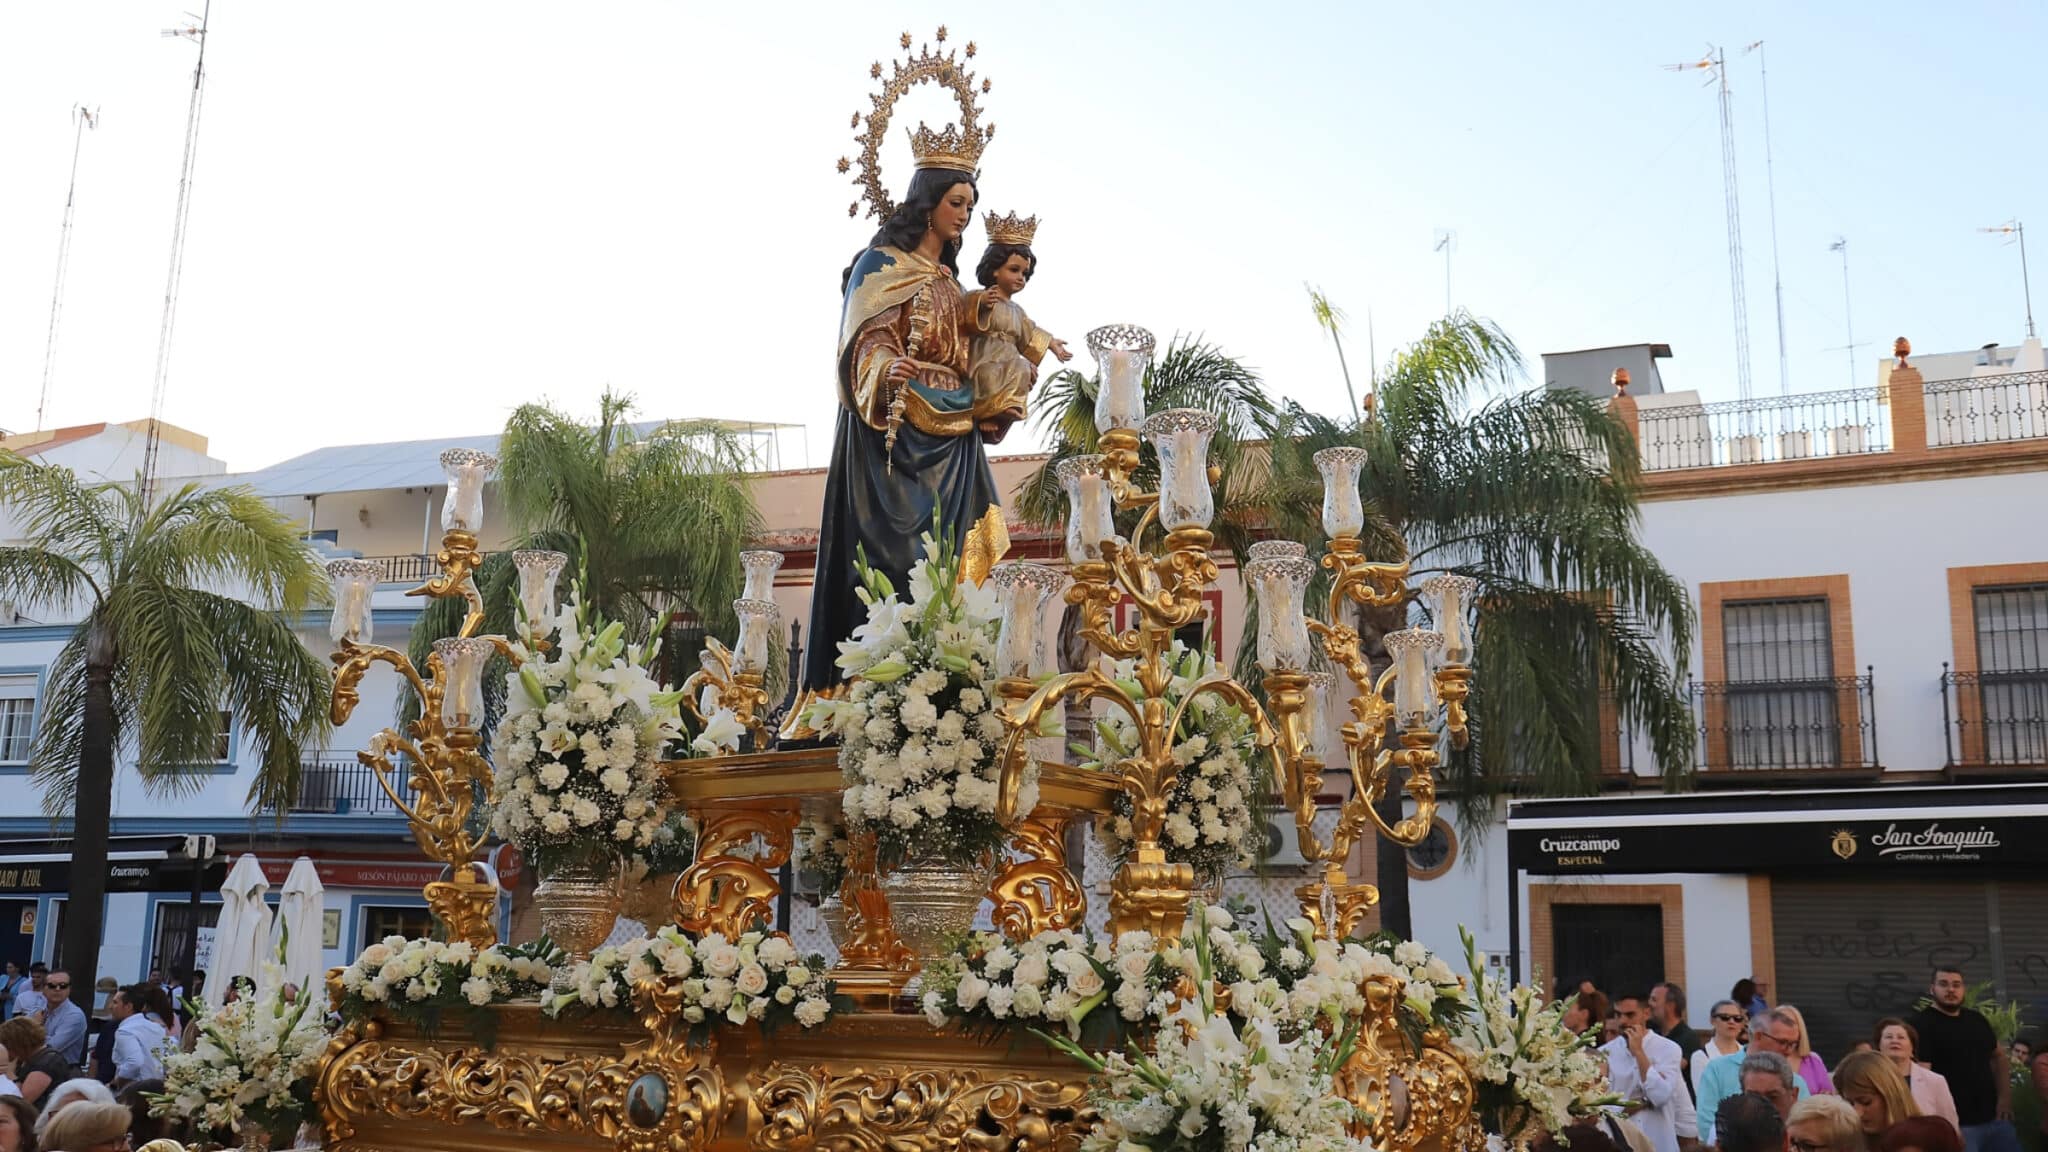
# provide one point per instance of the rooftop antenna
(196, 33)
(2014, 228)
(82, 119)
(1445, 241)
(1771, 189)
(1841, 245)
(1715, 62)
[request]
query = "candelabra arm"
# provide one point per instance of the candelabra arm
(459, 561)
(352, 661)
(1418, 755)
(1085, 685)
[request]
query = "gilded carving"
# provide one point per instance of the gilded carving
(894, 1109)
(1413, 1098)
(725, 891)
(1038, 892)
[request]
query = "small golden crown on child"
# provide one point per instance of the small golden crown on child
(1011, 230)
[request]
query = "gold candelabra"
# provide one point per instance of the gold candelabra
(1391, 733)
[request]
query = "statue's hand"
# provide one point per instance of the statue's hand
(900, 369)
(993, 431)
(1059, 349)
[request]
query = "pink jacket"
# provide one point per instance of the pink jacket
(1931, 1095)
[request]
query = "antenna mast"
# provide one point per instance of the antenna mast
(163, 340)
(1771, 188)
(82, 118)
(1716, 62)
(1841, 245)
(1445, 239)
(2014, 227)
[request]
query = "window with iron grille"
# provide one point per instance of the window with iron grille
(2012, 663)
(1783, 710)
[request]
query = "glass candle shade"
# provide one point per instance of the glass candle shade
(1275, 550)
(1091, 520)
(1448, 595)
(353, 582)
(462, 509)
(761, 567)
(1280, 583)
(462, 679)
(538, 570)
(1021, 591)
(1181, 437)
(758, 618)
(1343, 512)
(1414, 689)
(1317, 701)
(1122, 353)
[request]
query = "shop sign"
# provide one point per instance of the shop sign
(399, 875)
(169, 875)
(1729, 843)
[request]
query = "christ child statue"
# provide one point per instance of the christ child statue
(1005, 346)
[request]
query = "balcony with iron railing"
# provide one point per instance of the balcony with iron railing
(1764, 430)
(1768, 730)
(416, 568)
(2000, 409)
(1995, 724)
(337, 784)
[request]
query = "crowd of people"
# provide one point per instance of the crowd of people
(70, 1083)
(1938, 1081)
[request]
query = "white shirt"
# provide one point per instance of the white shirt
(1661, 1090)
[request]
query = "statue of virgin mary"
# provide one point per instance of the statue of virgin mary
(908, 452)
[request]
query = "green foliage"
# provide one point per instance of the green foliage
(1533, 493)
(654, 521)
(148, 581)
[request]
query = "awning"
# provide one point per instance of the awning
(134, 864)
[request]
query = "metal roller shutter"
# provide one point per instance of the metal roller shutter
(2023, 945)
(1852, 952)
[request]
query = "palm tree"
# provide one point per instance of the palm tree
(652, 518)
(159, 652)
(1534, 495)
(1330, 319)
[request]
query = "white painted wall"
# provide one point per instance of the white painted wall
(1896, 542)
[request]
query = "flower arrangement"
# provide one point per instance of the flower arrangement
(821, 851)
(252, 1068)
(1057, 978)
(1209, 818)
(757, 977)
(1214, 1082)
(578, 749)
(424, 980)
(1529, 1072)
(919, 730)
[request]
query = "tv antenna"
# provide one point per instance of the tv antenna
(197, 34)
(82, 118)
(1771, 191)
(1841, 245)
(1715, 63)
(1445, 241)
(2018, 230)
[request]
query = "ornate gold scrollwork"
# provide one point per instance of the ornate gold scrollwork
(467, 904)
(724, 891)
(1411, 1097)
(1038, 892)
(874, 963)
(900, 1109)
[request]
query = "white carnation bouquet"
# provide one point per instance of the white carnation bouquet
(1209, 811)
(758, 977)
(578, 751)
(252, 1067)
(1530, 1072)
(1214, 1082)
(424, 980)
(919, 730)
(1057, 978)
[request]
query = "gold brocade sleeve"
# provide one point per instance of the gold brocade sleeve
(879, 341)
(1037, 342)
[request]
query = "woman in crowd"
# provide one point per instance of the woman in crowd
(1588, 1011)
(1806, 1061)
(88, 1127)
(1921, 1134)
(1899, 1042)
(78, 1089)
(1868, 1081)
(1725, 1040)
(1825, 1124)
(17, 1125)
(37, 1066)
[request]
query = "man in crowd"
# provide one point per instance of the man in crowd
(1667, 1016)
(138, 1040)
(1774, 1033)
(1770, 1076)
(1961, 1047)
(29, 999)
(1648, 1073)
(1749, 1123)
(63, 1020)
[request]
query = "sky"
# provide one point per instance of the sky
(407, 218)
